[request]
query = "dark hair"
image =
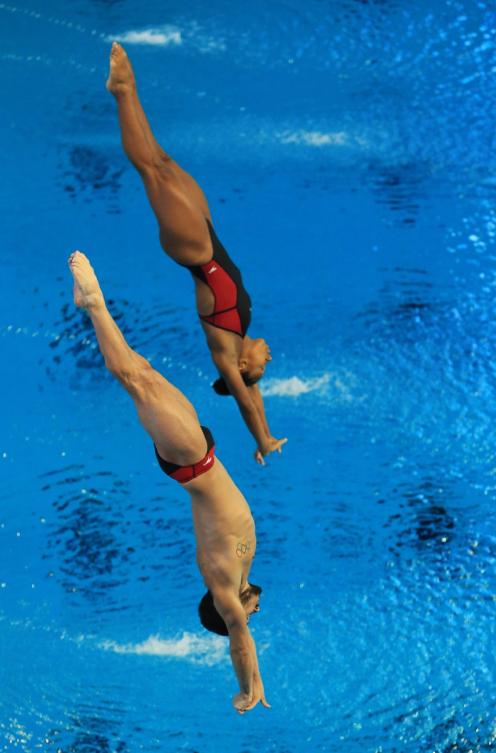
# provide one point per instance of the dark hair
(221, 388)
(209, 616)
(252, 591)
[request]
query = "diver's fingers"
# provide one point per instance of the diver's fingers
(252, 704)
(259, 457)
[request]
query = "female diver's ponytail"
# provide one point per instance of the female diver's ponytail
(221, 388)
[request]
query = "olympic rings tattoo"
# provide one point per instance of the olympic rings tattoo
(242, 549)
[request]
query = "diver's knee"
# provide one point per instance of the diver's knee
(134, 375)
(157, 167)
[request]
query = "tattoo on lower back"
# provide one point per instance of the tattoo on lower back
(242, 548)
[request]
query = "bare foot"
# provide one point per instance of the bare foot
(121, 76)
(87, 292)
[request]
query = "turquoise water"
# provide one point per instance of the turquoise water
(347, 150)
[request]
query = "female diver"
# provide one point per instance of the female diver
(187, 236)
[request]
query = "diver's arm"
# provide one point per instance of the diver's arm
(257, 398)
(242, 646)
(242, 656)
(266, 443)
(246, 702)
(247, 407)
(240, 643)
(258, 694)
(253, 649)
(273, 443)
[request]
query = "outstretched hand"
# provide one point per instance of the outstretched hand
(272, 445)
(243, 702)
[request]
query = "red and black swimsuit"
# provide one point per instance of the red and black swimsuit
(185, 473)
(232, 307)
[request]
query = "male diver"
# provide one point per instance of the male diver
(223, 524)
(187, 236)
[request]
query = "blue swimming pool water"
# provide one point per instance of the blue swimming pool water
(347, 150)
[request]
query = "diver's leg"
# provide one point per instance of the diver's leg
(164, 411)
(176, 199)
(120, 63)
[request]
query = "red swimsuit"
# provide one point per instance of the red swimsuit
(232, 307)
(185, 473)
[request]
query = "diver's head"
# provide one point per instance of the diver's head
(249, 597)
(255, 354)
